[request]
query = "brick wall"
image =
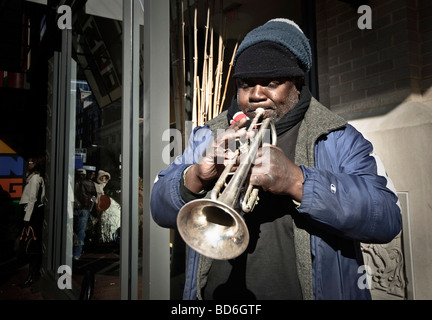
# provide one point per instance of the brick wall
(370, 71)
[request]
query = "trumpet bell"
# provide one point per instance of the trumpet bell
(213, 229)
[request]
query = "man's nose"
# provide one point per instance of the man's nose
(257, 93)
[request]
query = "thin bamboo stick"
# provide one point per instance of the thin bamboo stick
(217, 89)
(209, 88)
(228, 76)
(205, 64)
(218, 79)
(199, 110)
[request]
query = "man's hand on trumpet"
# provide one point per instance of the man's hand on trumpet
(276, 173)
(271, 170)
(217, 155)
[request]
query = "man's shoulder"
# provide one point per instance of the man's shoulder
(323, 119)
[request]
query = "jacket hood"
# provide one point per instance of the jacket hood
(102, 173)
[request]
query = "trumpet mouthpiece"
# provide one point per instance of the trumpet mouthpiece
(259, 111)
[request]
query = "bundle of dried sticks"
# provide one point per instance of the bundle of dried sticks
(207, 90)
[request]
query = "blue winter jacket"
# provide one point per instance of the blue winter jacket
(344, 194)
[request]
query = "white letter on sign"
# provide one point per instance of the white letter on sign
(65, 280)
(65, 21)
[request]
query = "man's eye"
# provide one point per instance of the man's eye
(273, 84)
(243, 85)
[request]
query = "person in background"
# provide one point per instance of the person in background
(101, 181)
(32, 202)
(103, 201)
(85, 197)
(321, 193)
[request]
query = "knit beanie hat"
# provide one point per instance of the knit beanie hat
(276, 49)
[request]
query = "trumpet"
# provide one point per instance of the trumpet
(214, 227)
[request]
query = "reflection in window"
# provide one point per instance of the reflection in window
(97, 45)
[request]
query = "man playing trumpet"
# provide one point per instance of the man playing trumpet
(319, 196)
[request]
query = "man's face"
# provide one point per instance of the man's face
(275, 96)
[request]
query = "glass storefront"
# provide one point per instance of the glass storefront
(97, 92)
(105, 118)
(102, 61)
(88, 85)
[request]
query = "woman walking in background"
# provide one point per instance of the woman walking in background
(32, 203)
